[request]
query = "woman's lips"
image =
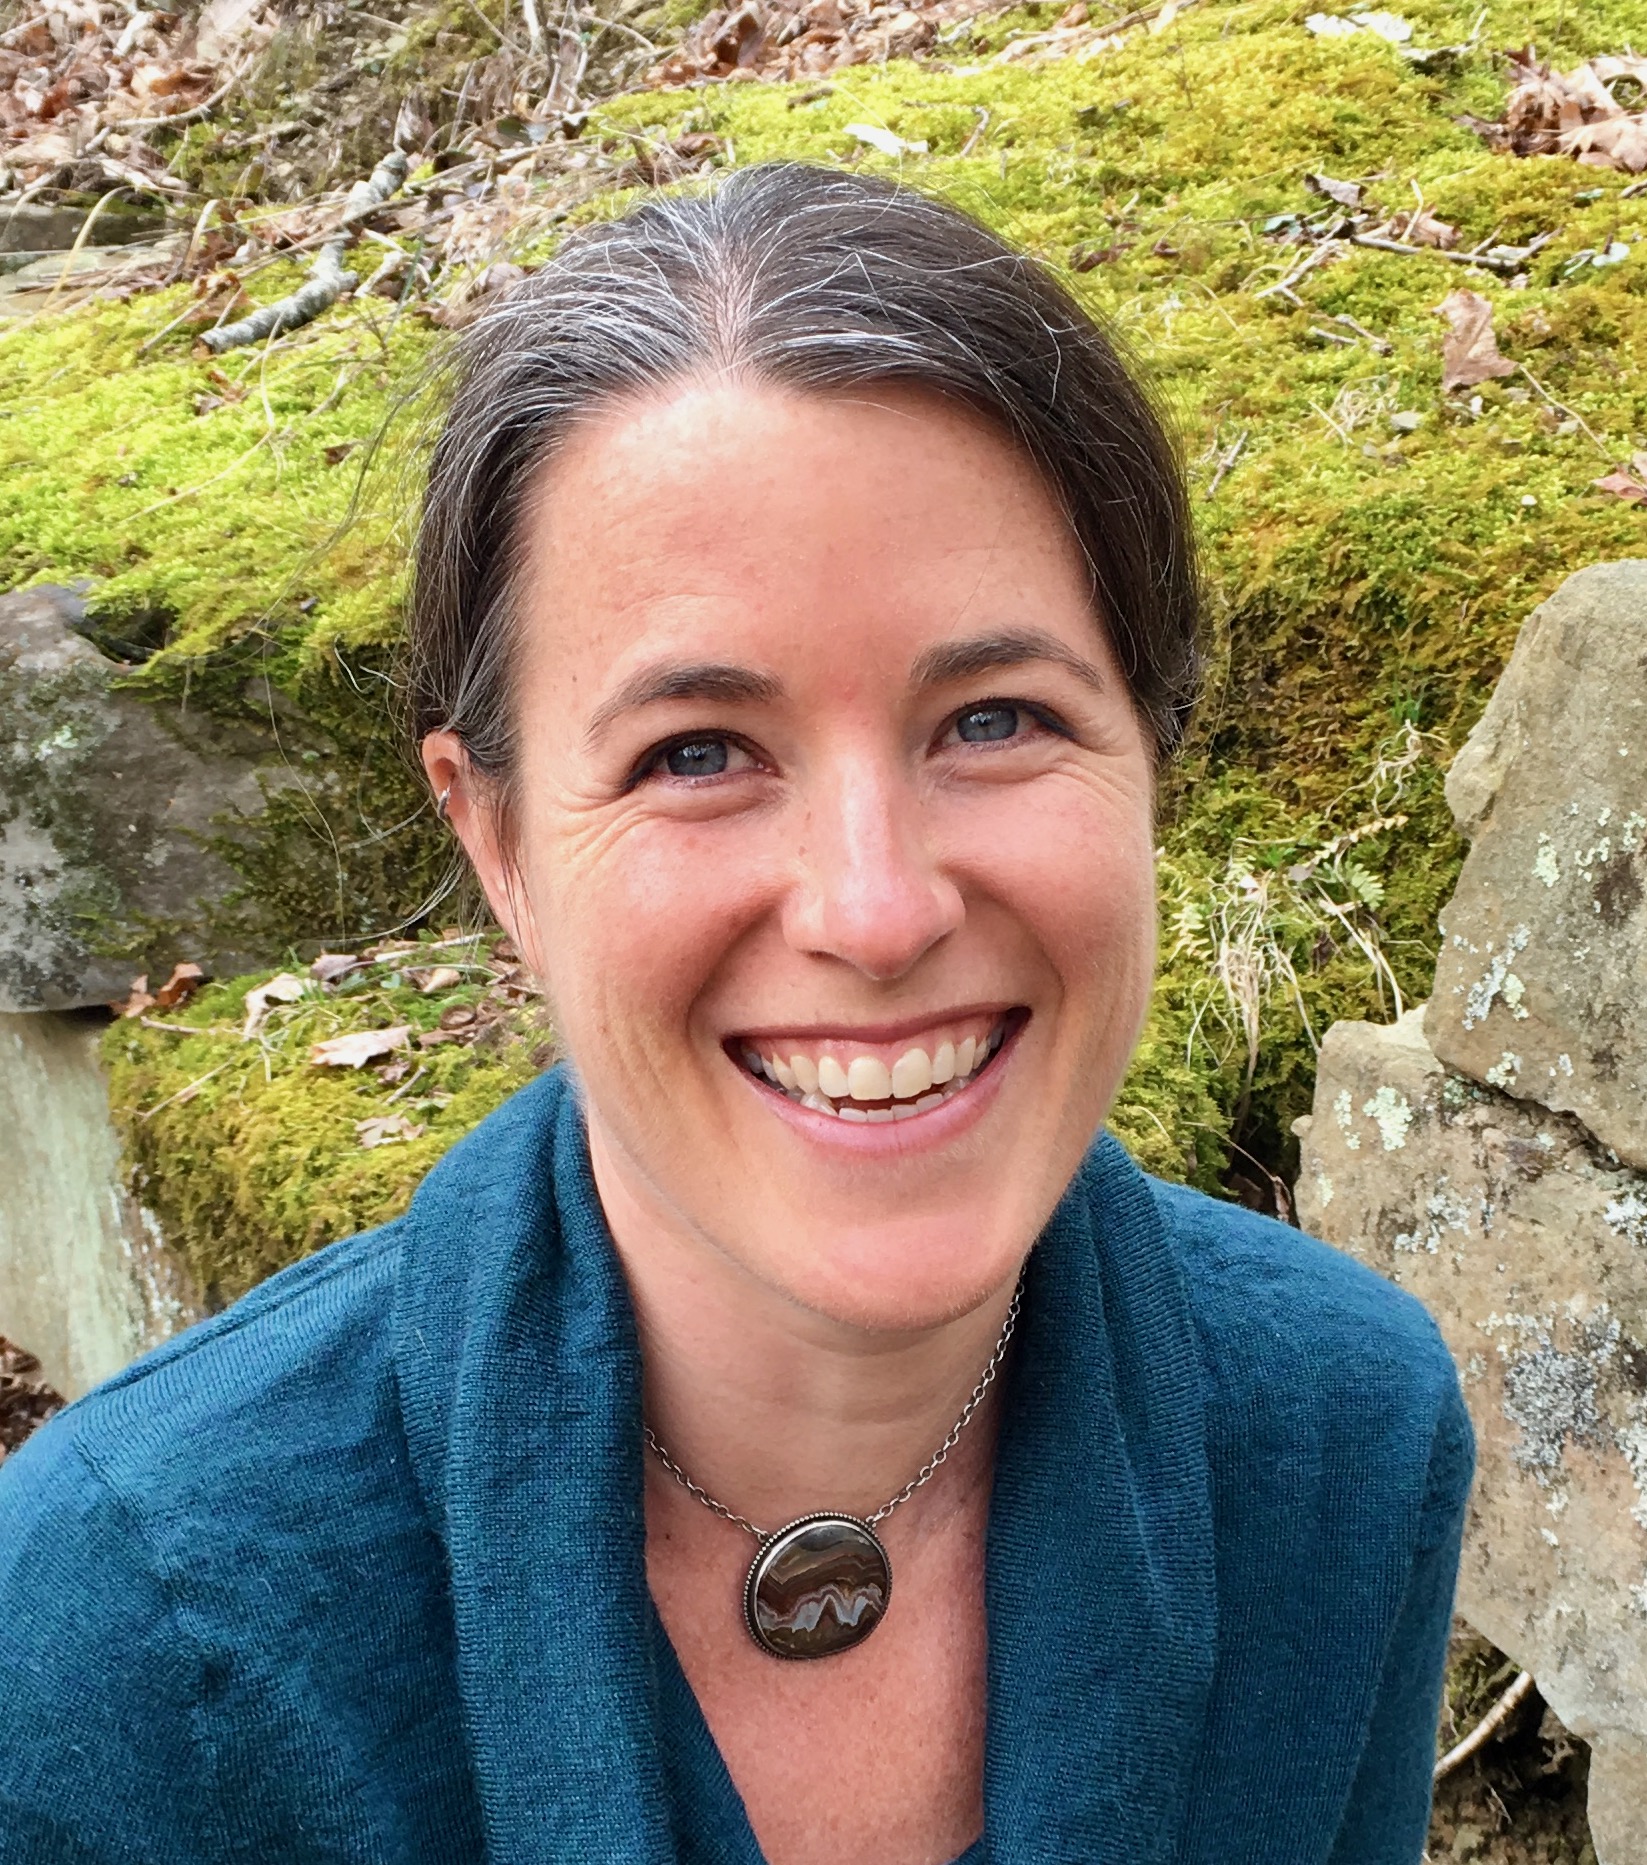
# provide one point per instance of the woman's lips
(875, 1083)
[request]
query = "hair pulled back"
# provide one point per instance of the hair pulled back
(815, 279)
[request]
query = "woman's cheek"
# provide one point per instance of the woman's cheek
(648, 919)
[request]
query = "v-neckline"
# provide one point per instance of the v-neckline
(520, 1378)
(712, 1823)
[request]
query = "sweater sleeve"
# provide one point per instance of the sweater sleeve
(97, 1680)
(1386, 1819)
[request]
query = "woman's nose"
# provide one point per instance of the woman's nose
(869, 891)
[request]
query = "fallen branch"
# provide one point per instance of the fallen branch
(1506, 263)
(1487, 1728)
(327, 280)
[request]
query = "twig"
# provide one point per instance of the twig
(1227, 462)
(327, 280)
(76, 249)
(534, 26)
(422, 1068)
(186, 1093)
(186, 116)
(1380, 344)
(1317, 255)
(978, 128)
(1571, 413)
(1505, 268)
(1487, 1728)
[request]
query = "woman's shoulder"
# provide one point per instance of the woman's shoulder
(1308, 1354)
(1267, 1288)
(242, 1417)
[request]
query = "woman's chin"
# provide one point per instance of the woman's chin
(895, 1275)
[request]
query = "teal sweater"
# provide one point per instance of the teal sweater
(353, 1572)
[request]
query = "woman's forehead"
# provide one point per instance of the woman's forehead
(737, 515)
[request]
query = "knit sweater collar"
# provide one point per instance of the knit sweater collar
(519, 1376)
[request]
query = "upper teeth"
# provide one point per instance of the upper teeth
(817, 1081)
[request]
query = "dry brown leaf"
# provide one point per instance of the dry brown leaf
(136, 1000)
(1617, 142)
(1622, 486)
(359, 1047)
(1419, 227)
(1469, 351)
(386, 1129)
(328, 967)
(285, 988)
(180, 986)
(1345, 193)
(1573, 113)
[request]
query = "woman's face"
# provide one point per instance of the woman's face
(832, 836)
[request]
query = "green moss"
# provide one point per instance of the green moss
(1361, 581)
(250, 1155)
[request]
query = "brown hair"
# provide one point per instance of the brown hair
(815, 279)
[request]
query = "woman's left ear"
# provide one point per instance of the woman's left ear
(469, 803)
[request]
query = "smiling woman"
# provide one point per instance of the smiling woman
(804, 602)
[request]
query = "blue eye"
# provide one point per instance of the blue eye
(696, 757)
(986, 724)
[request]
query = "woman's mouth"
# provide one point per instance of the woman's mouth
(856, 1080)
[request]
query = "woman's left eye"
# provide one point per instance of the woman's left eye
(982, 725)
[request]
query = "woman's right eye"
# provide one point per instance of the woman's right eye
(696, 757)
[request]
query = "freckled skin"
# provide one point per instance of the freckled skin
(855, 860)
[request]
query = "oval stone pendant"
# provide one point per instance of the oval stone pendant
(818, 1586)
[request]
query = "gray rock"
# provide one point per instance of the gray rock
(37, 227)
(86, 1281)
(1528, 1243)
(109, 806)
(1541, 986)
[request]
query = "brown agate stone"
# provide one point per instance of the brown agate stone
(819, 1586)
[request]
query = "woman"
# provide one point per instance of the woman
(804, 603)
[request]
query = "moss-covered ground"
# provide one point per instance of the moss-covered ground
(1366, 578)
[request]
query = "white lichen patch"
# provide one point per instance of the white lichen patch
(1632, 1442)
(1444, 1211)
(1550, 1536)
(1626, 1215)
(1503, 1072)
(1344, 1115)
(1514, 991)
(1323, 1189)
(1392, 1114)
(1546, 867)
(1486, 989)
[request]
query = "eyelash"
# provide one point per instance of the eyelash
(650, 763)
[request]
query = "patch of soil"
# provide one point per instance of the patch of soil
(26, 1401)
(1521, 1799)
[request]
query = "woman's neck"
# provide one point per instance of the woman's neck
(771, 1408)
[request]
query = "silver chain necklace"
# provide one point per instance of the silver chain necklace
(822, 1583)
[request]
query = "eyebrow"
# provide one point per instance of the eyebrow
(723, 682)
(1014, 647)
(711, 680)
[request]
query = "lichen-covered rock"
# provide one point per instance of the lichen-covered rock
(113, 815)
(1541, 985)
(1528, 1243)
